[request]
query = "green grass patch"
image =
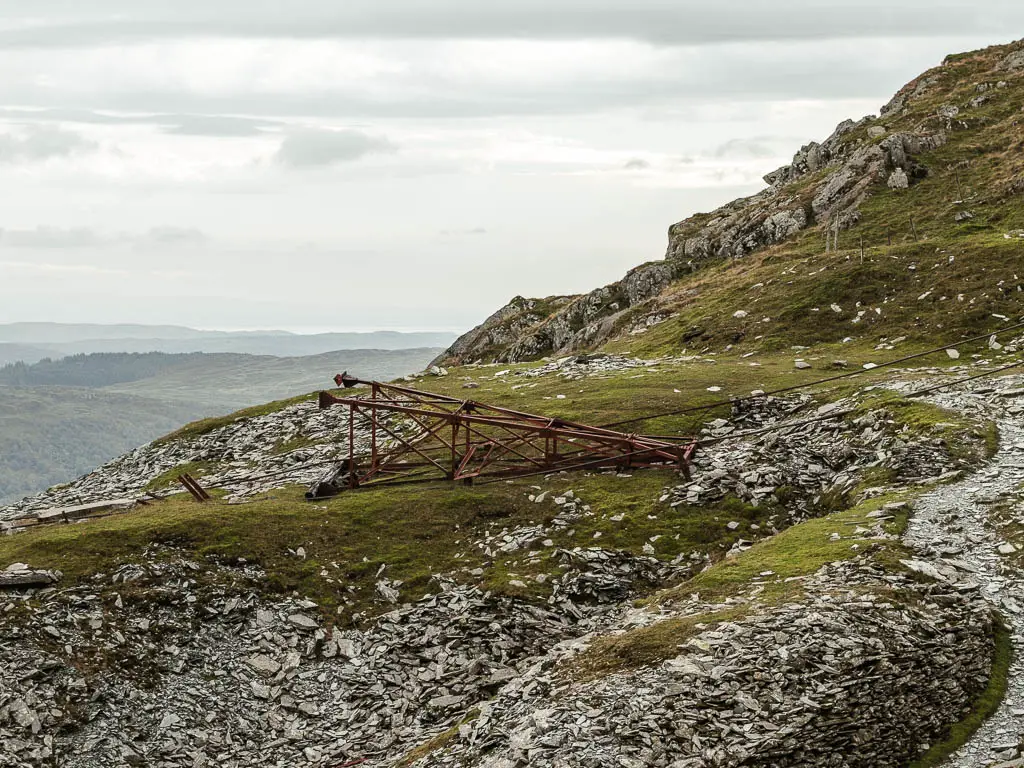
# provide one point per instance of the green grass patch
(294, 444)
(793, 553)
(438, 742)
(413, 531)
(643, 647)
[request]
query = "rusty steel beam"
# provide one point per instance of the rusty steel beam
(462, 440)
(194, 488)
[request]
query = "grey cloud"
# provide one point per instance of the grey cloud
(44, 237)
(755, 147)
(636, 164)
(174, 236)
(178, 124)
(711, 74)
(41, 142)
(50, 237)
(314, 148)
(215, 125)
(475, 231)
(65, 23)
(443, 100)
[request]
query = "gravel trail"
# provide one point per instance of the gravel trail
(950, 525)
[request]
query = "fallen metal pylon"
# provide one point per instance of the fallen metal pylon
(462, 440)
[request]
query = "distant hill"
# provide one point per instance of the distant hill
(55, 333)
(40, 340)
(11, 353)
(93, 370)
(228, 382)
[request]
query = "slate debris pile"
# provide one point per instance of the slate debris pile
(865, 672)
(173, 663)
(575, 367)
(123, 670)
(808, 460)
(589, 580)
(595, 575)
(247, 458)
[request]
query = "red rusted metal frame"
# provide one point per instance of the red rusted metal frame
(485, 440)
(391, 465)
(420, 397)
(612, 447)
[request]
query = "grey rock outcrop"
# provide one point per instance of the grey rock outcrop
(1014, 60)
(857, 158)
(898, 179)
(498, 331)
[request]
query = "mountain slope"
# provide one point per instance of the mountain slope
(835, 581)
(926, 203)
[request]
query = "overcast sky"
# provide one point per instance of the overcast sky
(364, 164)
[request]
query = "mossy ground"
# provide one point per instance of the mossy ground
(413, 531)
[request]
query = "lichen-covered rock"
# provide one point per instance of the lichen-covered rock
(1014, 60)
(898, 179)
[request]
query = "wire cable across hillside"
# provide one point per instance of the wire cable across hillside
(806, 385)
